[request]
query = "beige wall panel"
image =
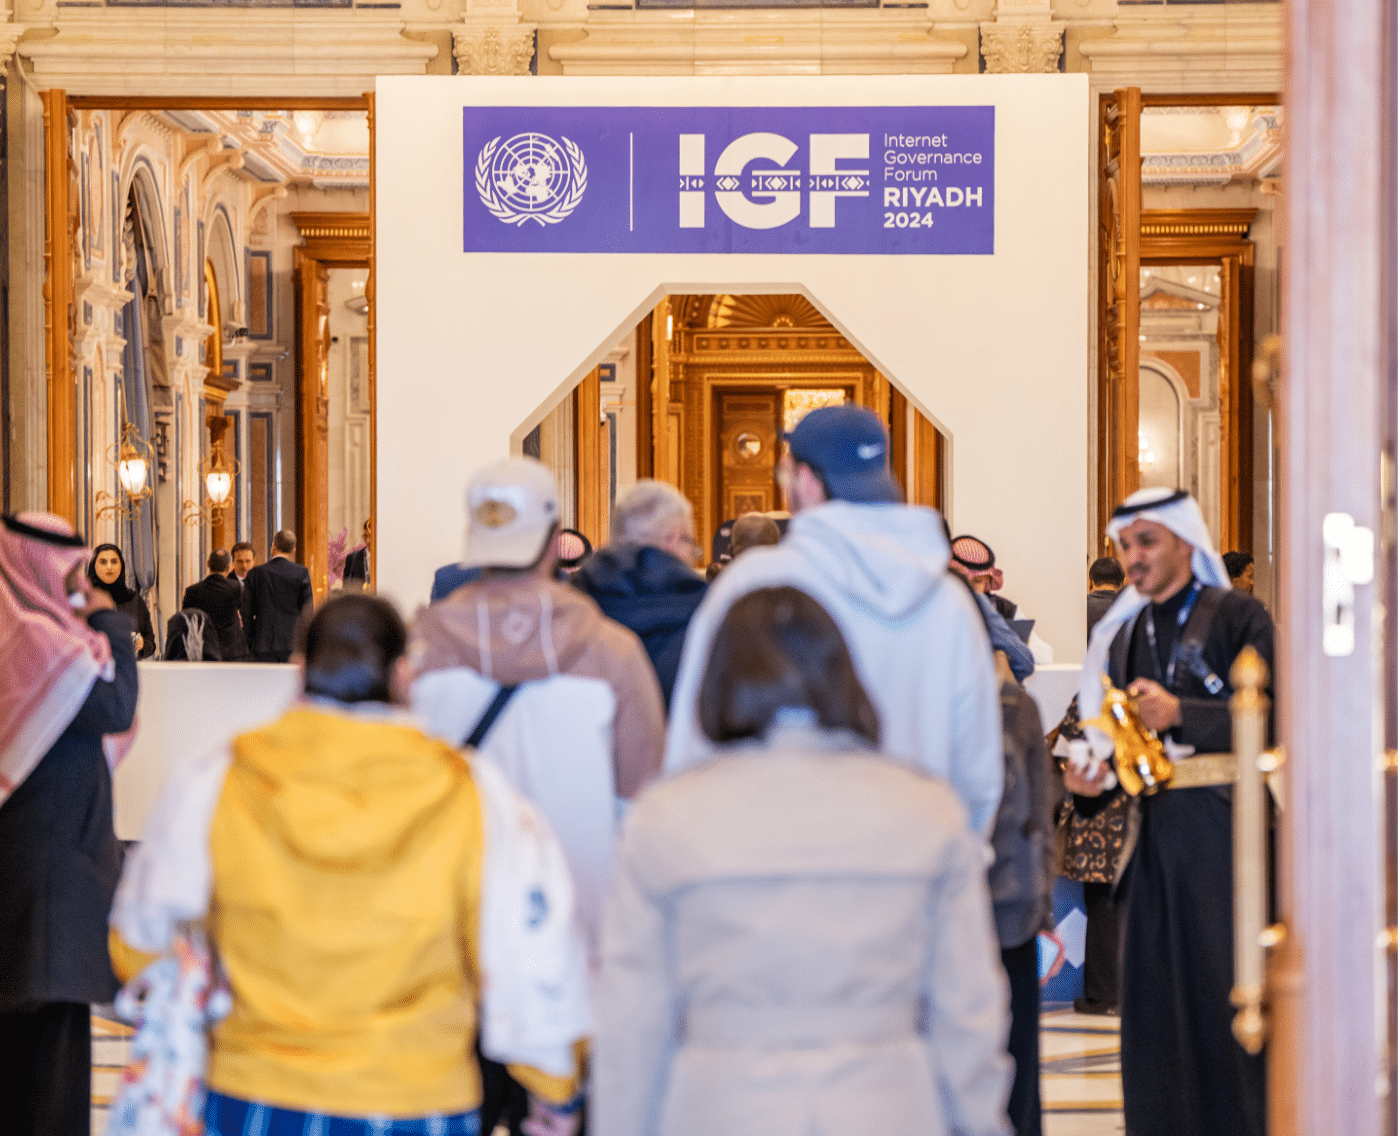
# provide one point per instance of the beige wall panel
(929, 323)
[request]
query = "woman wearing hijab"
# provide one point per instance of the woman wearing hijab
(67, 678)
(108, 572)
(830, 965)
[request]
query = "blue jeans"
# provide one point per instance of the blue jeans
(229, 1116)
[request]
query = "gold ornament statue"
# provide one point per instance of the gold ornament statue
(1138, 757)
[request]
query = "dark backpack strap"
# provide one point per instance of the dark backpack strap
(488, 719)
(1118, 654)
(1190, 645)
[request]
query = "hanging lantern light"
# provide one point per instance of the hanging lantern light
(131, 471)
(218, 473)
(218, 479)
(132, 458)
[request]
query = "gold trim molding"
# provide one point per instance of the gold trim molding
(1197, 222)
(336, 238)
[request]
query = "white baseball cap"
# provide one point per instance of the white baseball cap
(512, 508)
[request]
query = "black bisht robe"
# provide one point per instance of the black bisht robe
(1183, 1072)
(59, 852)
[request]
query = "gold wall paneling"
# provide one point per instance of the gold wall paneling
(1195, 235)
(591, 480)
(341, 240)
(899, 441)
(312, 417)
(1120, 211)
(373, 361)
(927, 477)
(665, 428)
(798, 402)
(917, 453)
(216, 387)
(59, 226)
(766, 310)
(646, 427)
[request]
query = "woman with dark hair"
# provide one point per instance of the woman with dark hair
(107, 571)
(366, 891)
(799, 940)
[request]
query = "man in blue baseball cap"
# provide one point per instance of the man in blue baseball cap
(880, 567)
(842, 452)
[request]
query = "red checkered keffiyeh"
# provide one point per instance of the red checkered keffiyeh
(49, 656)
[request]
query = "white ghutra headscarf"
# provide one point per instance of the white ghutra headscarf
(1173, 509)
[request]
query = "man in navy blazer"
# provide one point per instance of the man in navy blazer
(277, 593)
(219, 596)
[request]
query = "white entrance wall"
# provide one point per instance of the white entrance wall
(473, 347)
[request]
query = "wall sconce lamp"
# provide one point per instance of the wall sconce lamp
(1147, 456)
(217, 472)
(132, 457)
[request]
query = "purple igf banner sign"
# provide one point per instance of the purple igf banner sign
(902, 180)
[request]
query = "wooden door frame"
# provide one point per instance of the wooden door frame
(61, 380)
(1218, 237)
(329, 240)
(1116, 272)
(1114, 430)
(919, 467)
(591, 503)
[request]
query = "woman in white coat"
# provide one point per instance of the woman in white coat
(798, 941)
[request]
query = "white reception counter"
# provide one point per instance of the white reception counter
(187, 709)
(184, 710)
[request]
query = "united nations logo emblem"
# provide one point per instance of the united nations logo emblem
(531, 177)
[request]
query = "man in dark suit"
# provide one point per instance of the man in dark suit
(218, 596)
(355, 578)
(243, 559)
(277, 593)
(1105, 582)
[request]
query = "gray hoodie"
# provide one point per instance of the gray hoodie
(918, 642)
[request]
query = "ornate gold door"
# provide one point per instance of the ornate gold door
(747, 430)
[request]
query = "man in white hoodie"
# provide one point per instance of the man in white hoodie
(880, 568)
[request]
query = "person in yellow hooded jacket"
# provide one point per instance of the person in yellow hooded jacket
(371, 897)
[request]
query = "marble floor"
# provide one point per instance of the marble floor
(1081, 1094)
(111, 1048)
(1080, 1091)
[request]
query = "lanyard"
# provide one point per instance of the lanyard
(1181, 617)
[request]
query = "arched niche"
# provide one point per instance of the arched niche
(221, 249)
(1162, 400)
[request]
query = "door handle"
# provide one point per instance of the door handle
(1249, 711)
(1349, 560)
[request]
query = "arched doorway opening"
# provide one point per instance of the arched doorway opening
(699, 394)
